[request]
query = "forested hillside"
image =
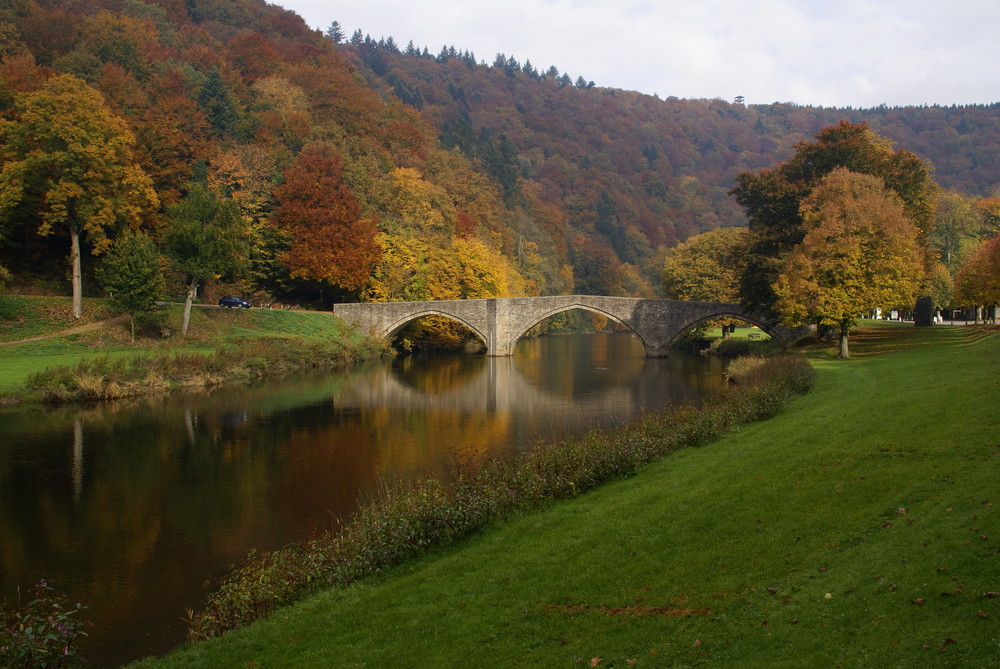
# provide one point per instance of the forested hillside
(638, 172)
(365, 171)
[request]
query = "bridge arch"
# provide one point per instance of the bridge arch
(535, 319)
(396, 327)
(763, 324)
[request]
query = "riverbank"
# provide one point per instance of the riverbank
(857, 528)
(96, 360)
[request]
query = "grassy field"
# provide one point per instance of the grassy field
(27, 317)
(857, 529)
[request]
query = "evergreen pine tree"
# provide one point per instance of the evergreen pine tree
(335, 33)
(218, 104)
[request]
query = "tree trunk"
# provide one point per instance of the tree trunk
(76, 276)
(191, 292)
(131, 318)
(844, 351)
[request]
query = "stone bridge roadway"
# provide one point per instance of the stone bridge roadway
(501, 322)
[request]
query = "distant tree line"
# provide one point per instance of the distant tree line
(508, 64)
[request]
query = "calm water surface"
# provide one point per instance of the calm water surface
(134, 507)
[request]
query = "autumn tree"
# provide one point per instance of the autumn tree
(68, 163)
(247, 173)
(957, 222)
(417, 203)
(482, 271)
(131, 274)
(772, 198)
(116, 38)
(859, 252)
(938, 285)
(284, 112)
(989, 213)
(706, 267)
(330, 240)
(172, 133)
(205, 237)
(977, 282)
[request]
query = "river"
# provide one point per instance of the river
(135, 506)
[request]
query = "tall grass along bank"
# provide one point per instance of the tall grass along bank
(105, 378)
(406, 521)
(223, 346)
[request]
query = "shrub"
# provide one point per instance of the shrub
(43, 633)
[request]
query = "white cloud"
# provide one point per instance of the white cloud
(856, 53)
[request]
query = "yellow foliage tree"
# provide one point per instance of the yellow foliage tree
(482, 272)
(859, 252)
(284, 110)
(418, 203)
(67, 158)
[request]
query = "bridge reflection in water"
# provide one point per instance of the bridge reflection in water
(551, 387)
(510, 384)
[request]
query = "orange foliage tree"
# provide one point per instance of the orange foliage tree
(330, 241)
(977, 282)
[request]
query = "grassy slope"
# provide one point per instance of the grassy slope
(878, 489)
(25, 317)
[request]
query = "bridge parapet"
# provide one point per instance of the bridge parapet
(501, 322)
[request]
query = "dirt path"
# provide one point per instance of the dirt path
(79, 329)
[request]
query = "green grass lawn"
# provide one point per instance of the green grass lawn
(742, 332)
(857, 529)
(25, 317)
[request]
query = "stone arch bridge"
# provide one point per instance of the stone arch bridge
(501, 322)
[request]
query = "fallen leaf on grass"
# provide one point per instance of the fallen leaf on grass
(982, 614)
(594, 661)
(697, 642)
(918, 601)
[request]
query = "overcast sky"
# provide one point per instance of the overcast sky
(839, 53)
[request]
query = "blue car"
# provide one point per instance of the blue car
(231, 301)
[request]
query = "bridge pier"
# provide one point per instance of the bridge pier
(500, 322)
